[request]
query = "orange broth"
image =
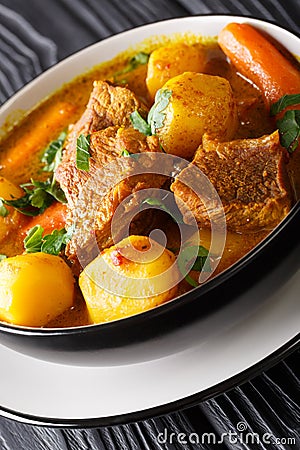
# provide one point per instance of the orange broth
(21, 148)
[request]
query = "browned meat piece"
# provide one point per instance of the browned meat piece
(108, 106)
(250, 177)
(94, 196)
(105, 146)
(91, 199)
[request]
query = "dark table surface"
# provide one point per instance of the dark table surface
(34, 35)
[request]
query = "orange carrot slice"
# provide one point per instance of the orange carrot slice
(260, 61)
(53, 218)
(35, 137)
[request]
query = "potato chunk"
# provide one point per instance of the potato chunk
(113, 272)
(168, 61)
(34, 289)
(198, 104)
(9, 191)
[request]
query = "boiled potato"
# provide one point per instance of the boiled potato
(9, 191)
(34, 289)
(168, 61)
(199, 104)
(116, 286)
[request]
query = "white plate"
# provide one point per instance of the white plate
(177, 369)
(183, 367)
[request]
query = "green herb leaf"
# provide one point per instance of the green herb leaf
(34, 239)
(38, 198)
(39, 195)
(289, 130)
(23, 204)
(53, 153)
(2, 257)
(52, 188)
(139, 59)
(152, 201)
(202, 262)
(128, 154)
(83, 152)
(157, 113)
(284, 102)
(3, 210)
(139, 123)
(52, 243)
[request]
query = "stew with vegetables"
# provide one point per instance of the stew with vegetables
(82, 175)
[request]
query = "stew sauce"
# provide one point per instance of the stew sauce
(21, 149)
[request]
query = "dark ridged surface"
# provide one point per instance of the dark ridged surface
(35, 39)
(267, 404)
(24, 53)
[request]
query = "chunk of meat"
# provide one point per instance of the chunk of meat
(105, 146)
(108, 106)
(250, 177)
(94, 196)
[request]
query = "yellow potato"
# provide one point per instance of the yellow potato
(9, 191)
(199, 104)
(115, 286)
(34, 289)
(168, 61)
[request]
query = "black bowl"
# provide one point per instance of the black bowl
(88, 344)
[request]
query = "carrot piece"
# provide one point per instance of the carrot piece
(35, 137)
(53, 218)
(260, 61)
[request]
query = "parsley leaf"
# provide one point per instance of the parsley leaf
(174, 213)
(126, 153)
(289, 130)
(33, 240)
(52, 243)
(284, 102)
(53, 153)
(156, 114)
(2, 257)
(202, 262)
(137, 60)
(289, 124)
(23, 204)
(52, 188)
(140, 124)
(3, 210)
(38, 196)
(83, 152)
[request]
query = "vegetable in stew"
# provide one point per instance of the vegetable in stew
(91, 173)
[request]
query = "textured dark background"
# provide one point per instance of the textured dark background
(34, 34)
